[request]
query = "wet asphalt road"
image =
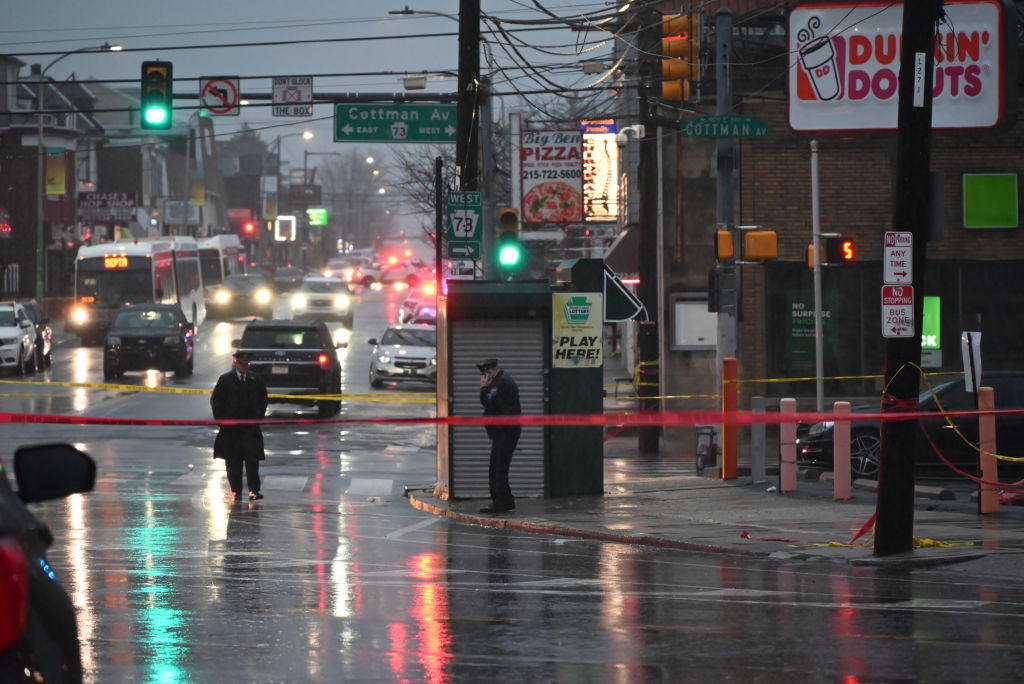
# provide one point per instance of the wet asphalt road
(334, 577)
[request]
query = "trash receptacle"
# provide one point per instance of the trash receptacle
(706, 449)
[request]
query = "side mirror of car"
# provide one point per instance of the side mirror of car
(52, 471)
(236, 343)
(372, 340)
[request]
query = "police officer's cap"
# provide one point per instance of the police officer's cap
(242, 355)
(487, 365)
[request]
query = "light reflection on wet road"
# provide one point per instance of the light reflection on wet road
(333, 577)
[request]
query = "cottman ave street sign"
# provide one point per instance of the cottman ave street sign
(724, 126)
(400, 123)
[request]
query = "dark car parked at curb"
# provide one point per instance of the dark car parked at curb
(38, 628)
(242, 295)
(296, 358)
(44, 334)
(149, 336)
(814, 442)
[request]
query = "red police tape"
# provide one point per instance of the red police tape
(627, 419)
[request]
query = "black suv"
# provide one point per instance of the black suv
(145, 336)
(295, 358)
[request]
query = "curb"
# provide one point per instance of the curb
(537, 528)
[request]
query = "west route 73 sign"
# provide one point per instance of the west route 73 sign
(463, 235)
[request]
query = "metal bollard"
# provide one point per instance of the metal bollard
(988, 497)
(787, 448)
(729, 429)
(841, 453)
(758, 442)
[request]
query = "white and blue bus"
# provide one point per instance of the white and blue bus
(219, 257)
(165, 270)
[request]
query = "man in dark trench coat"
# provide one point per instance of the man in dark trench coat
(240, 394)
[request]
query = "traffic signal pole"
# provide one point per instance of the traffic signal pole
(894, 527)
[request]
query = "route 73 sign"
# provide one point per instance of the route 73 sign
(463, 234)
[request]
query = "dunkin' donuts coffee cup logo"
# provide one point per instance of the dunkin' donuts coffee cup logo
(818, 59)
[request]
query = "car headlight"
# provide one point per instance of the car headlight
(818, 428)
(263, 295)
(327, 273)
(342, 302)
(79, 315)
(384, 358)
(433, 362)
(114, 340)
(299, 301)
(401, 285)
(222, 297)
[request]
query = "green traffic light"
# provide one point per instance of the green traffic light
(509, 255)
(155, 116)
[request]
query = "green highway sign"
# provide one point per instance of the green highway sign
(465, 209)
(318, 216)
(724, 126)
(416, 123)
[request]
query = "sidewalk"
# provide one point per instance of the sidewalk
(739, 516)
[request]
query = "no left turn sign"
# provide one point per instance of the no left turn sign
(220, 95)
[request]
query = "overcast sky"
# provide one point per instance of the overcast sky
(377, 46)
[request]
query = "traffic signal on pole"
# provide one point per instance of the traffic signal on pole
(760, 244)
(157, 95)
(839, 250)
(723, 245)
(249, 231)
(680, 52)
(510, 249)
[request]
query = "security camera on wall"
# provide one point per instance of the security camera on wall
(620, 139)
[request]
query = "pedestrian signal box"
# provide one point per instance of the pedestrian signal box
(723, 245)
(839, 250)
(760, 245)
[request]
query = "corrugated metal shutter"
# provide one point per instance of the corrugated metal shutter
(519, 346)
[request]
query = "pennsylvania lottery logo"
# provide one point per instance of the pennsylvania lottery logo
(577, 311)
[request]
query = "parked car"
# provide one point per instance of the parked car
(287, 278)
(404, 353)
(17, 338)
(38, 628)
(814, 442)
(295, 358)
(44, 334)
(149, 336)
(425, 313)
(242, 295)
(325, 299)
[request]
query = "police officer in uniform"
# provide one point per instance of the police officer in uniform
(240, 394)
(499, 396)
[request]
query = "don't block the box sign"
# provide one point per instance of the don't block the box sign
(845, 72)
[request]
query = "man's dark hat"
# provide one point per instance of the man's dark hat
(487, 365)
(242, 355)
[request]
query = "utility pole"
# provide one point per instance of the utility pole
(724, 216)
(467, 140)
(894, 527)
(649, 47)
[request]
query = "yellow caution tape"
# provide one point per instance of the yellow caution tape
(409, 397)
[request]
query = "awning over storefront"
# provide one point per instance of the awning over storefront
(622, 256)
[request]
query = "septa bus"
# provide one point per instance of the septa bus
(163, 269)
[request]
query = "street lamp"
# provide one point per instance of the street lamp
(41, 163)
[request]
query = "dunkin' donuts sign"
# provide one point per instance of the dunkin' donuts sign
(845, 64)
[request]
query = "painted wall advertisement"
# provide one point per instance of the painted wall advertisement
(846, 74)
(552, 170)
(576, 327)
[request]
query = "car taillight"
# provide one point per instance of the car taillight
(324, 361)
(13, 592)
